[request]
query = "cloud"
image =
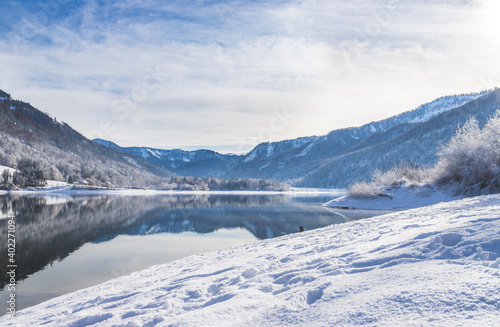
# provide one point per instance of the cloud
(211, 73)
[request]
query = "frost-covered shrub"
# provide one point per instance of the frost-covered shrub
(404, 174)
(363, 190)
(470, 163)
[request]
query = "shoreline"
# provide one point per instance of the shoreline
(380, 271)
(123, 191)
(393, 199)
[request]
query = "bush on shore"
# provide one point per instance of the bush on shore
(469, 164)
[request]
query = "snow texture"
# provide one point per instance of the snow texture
(144, 153)
(270, 149)
(251, 157)
(154, 153)
(394, 198)
(10, 169)
(436, 107)
(432, 266)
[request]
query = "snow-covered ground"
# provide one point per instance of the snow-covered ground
(51, 187)
(432, 266)
(394, 198)
(11, 170)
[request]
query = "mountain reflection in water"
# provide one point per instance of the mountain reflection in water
(49, 229)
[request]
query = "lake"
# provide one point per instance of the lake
(66, 243)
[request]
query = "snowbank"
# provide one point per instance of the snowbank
(432, 266)
(394, 198)
(11, 170)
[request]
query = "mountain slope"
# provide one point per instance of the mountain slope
(26, 132)
(200, 163)
(418, 145)
(343, 155)
(293, 159)
(333, 160)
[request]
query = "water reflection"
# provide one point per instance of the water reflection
(49, 229)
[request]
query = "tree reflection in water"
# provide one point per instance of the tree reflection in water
(50, 228)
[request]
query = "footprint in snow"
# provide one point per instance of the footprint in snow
(249, 273)
(314, 295)
(451, 239)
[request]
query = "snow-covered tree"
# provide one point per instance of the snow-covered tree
(470, 163)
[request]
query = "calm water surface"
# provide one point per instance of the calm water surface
(68, 243)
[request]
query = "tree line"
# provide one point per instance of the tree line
(33, 173)
(28, 174)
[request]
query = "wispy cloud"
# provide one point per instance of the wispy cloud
(212, 72)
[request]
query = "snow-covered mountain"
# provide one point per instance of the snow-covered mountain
(334, 160)
(201, 163)
(415, 143)
(64, 153)
(292, 160)
(340, 157)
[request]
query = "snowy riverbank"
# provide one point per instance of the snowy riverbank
(394, 198)
(431, 266)
(54, 188)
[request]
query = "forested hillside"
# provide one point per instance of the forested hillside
(342, 156)
(334, 160)
(62, 153)
(309, 161)
(417, 145)
(40, 148)
(199, 163)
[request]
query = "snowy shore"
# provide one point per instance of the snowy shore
(61, 188)
(394, 198)
(432, 266)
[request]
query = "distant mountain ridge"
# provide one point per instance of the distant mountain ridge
(200, 163)
(338, 158)
(418, 145)
(292, 160)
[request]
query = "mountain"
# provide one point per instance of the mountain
(337, 159)
(342, 156)
(418, 145)
(200, 163)
(294, 159)
(26, 132)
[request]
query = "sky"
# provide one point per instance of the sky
(228, 75)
